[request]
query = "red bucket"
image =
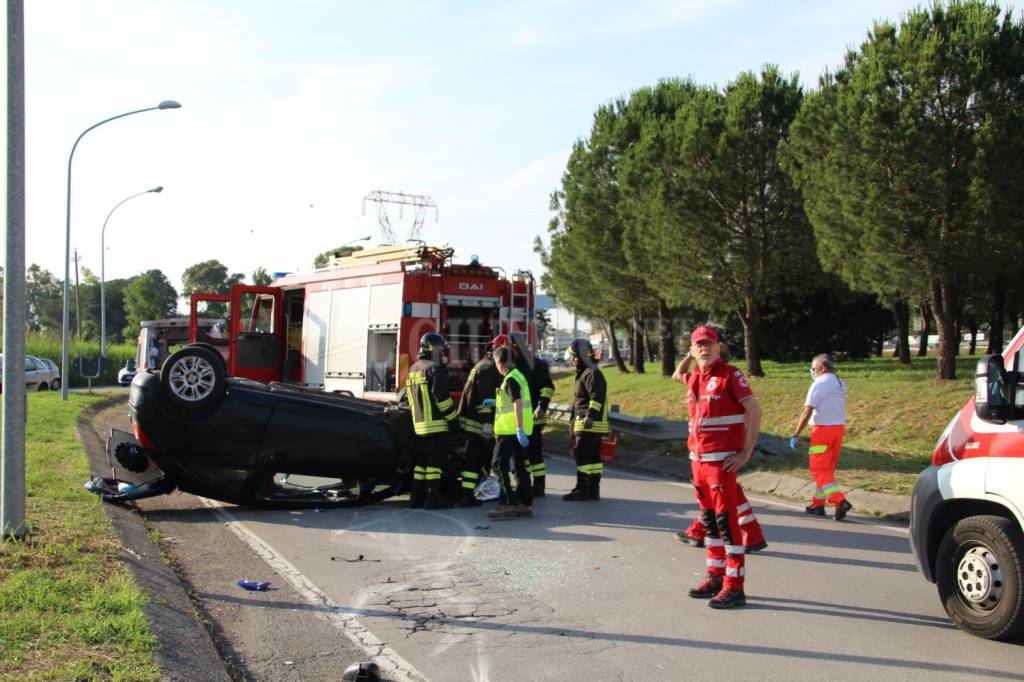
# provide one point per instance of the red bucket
(608, 448)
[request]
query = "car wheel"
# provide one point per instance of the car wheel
(980, 575)
(212, 349)
(55, 384)
(192, 378)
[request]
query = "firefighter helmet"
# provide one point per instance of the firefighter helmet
(579, 348)
(500, 341)
(431, 343)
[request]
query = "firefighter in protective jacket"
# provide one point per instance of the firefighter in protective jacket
(477, 420)
(589, 421)
(542, 388)
(433, 412)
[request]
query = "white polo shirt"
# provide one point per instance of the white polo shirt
(827, 395)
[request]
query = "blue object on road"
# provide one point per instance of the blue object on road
(521, 436)
(253, 585)
(793, 443)
(488, 402)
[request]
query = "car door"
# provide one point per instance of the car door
(33, 372)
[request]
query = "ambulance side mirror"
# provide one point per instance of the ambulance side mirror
(990, 390)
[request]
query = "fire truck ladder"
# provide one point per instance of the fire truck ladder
(521, 287)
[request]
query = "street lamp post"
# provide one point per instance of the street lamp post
(64, 364)
(103, 271)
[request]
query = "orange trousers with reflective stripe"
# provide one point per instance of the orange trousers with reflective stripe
(826, 441)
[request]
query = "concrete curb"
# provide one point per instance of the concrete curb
(186, 652)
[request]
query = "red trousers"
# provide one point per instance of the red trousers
(718, 488)
(750, 528)
(826, 441)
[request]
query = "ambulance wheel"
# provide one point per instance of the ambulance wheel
(980, 575)
(193, 378)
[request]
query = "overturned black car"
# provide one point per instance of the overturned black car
(242, 441)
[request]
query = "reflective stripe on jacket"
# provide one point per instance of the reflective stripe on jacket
(427, 391)
(590, 399)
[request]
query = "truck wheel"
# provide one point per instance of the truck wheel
(980, 575)
(192, 378)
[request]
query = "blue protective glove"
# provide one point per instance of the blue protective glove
(523, 439)
(488, 402)
(792, 443)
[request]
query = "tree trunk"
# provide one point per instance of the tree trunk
(631, 340)
(638, 344)
(998, 321)
(651, 353)
(901, 311)
(666, 342)
(972, 325)
(751, 338)
(609, 329)
(944, 306)
(926, 320)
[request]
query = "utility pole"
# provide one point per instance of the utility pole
(12, 485)
(78, 307)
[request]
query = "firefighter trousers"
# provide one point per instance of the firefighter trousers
(431, 454)
(751, 533)
(826, 441)
(725, 549)
(587, 455)
(474, 462)
(535, 453)
(510, 457)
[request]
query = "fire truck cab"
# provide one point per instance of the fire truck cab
(355, 325)
(967, 509)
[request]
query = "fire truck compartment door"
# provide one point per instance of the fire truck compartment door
(314, 334)
(385, 305)
(346, 339)
(472, 301)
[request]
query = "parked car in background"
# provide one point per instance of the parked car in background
(127, 373)
(41, 374)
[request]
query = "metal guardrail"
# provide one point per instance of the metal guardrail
(655, 428)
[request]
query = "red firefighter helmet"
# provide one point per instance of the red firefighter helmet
(500, 341)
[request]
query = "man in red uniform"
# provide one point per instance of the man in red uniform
(725, 419)
(752, 536)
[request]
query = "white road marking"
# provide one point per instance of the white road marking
(392, 665)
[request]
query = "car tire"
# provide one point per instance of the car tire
(193, 378)
(980, 576)
(55, 385)
(212, 349)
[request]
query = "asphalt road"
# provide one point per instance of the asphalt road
(597, 591)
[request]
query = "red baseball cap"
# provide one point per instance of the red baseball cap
(704, 333)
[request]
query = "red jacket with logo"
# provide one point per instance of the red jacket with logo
(714, 400)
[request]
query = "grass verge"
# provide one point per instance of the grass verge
(894, 414)
(68, 607)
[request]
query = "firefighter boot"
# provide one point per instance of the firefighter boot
(594, 487)
(538, 486)
(728, 598)
(708, 588)
(417, 494)
(577, 494)
(468, 499)
(436, 499)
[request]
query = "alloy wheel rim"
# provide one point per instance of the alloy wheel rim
(192, 378)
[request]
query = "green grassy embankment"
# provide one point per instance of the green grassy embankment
(68, 608)
(894, 414)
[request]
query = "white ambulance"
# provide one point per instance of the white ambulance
(967, 511)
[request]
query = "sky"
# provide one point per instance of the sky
(292, 112)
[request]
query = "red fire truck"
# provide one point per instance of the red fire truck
(355, 325)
